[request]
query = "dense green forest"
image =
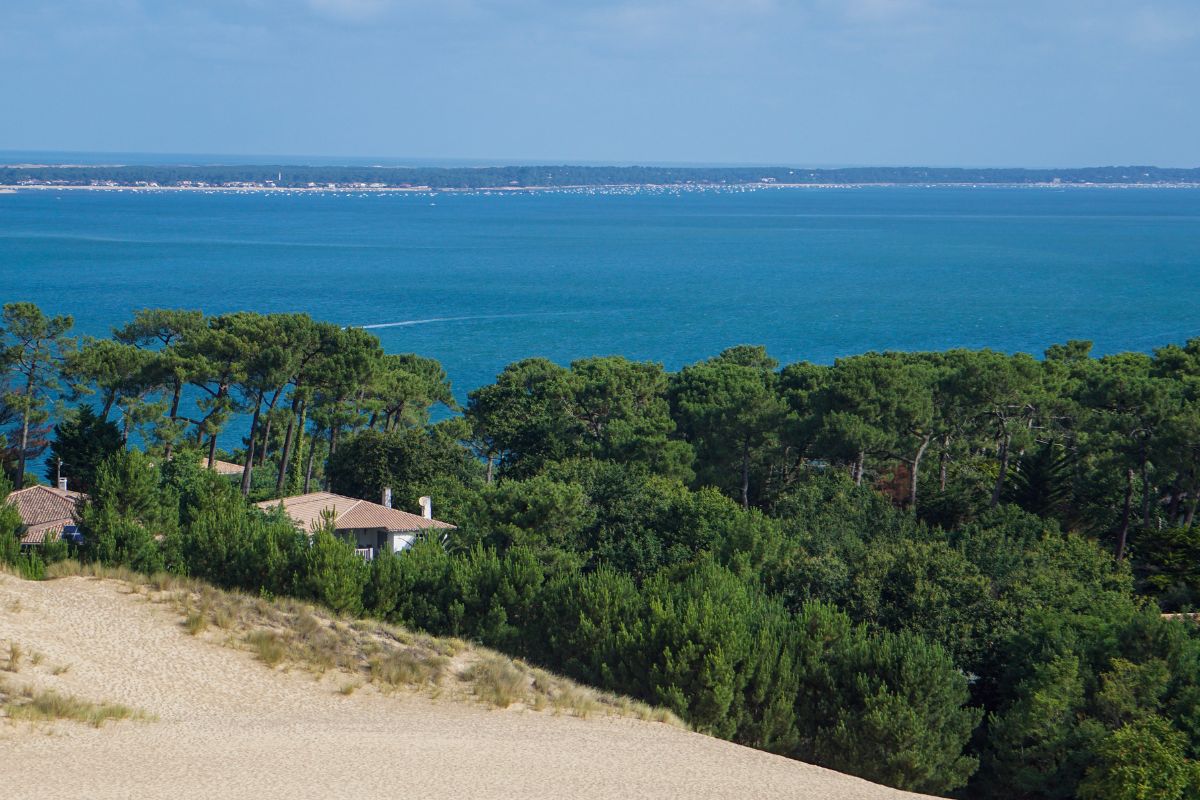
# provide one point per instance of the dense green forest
(942, 571)
(287, 175)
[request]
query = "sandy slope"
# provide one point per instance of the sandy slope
(228, 727)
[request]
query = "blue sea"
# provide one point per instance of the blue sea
(480, 280)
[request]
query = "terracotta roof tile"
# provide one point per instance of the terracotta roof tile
(222, 467)
(305, 510)
(44, 511)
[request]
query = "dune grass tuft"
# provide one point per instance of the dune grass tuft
(30, 705)
(364, 651)
(13, 663)
(195, 623)
(498, 681)
(266, 646)
(408, 667)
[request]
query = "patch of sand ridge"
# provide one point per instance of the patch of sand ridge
(227, 726)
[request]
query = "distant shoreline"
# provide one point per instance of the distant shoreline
(614, 187)
(565, 177)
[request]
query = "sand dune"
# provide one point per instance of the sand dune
(229, 727)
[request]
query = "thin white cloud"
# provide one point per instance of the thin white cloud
(1164, 28)
(692, 23)
(880, 11)
(352, 10)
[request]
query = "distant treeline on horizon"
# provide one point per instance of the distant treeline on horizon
(292, 176)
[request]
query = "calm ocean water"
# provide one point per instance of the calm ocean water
(478, 281)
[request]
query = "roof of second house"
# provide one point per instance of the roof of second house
(305, 510)
(222, 467)
(44, 511)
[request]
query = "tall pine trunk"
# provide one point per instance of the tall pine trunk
(308, 469)
(943, 464)
(1175, 507)
(248, 467)
(25, 412)
(1126, 513)
(285, 458)
(746, 475)
(1145, 494)
(303, 440)
(174, 414)
(916, 470)
(20, 482)
(266, 443)
(999, 487)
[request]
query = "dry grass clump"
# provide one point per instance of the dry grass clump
(75, 569)
(502, 682)
(31, 705)
(498, 681)
(266, 646)
(13, 663)
(443, 646)
(277, 632)
(408, 667)
(287, 633)
(566, 697)
(195, 623)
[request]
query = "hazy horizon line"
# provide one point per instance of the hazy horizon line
(15, 157)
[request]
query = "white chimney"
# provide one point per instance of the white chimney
(62, 484)
(387, 496)
(426, 507)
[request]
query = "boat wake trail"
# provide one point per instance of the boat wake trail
(407, 322)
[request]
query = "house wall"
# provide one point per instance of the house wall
(375, 538)
(401, 541)
(382, 541)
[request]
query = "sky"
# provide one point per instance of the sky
(1040, 83)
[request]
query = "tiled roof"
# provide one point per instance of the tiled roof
(305, 510)
(40, 534)
(44, 511)
(222, 467)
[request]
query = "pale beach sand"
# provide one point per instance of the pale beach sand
(229, 727)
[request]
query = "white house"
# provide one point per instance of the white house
(374, 528)
(46, 512)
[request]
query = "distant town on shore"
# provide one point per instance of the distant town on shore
(281, 176)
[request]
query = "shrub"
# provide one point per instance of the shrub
(82, 441)
(497, 680)
(267, 647)
(408, 667)
(334, 574)
(10, 526)
(14, 658)
(195, 623)
(126, 509)
(31, 567)
(1143, 760)
(46, 706)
